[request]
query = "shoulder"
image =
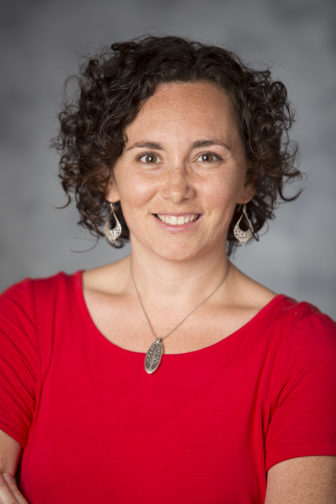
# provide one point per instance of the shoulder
(23, 293)
(297, 337)
(303, 320)
(28, 310)
(299, 330)
(282, 312)
(108, 279)
(305, 340)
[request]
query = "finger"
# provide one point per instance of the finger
(14, 489)
(6, 495)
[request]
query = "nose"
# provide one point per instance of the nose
(177, 186)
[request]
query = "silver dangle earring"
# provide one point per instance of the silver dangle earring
(243, 236)
(112, 234)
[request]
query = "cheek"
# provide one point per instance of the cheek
(136, 192)
(228, 187)
(220, 194)
(222, 200)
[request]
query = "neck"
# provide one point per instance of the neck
(177, 283)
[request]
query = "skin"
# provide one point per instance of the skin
(10, 452)
(180, 177)
(183, 156)
(176, 270)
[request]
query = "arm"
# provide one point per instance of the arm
(19, 365)
(10, 452)
(301, 437)
(304, 480)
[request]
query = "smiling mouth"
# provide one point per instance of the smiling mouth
(177, 220)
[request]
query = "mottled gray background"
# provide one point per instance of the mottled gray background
(41, 43)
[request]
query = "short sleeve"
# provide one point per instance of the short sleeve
(303, 421)
(18, 360)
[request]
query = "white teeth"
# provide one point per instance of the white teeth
(177, 221)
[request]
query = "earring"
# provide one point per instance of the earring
(112, 233)
(243, 236)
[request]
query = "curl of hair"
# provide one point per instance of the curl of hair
(112, 88)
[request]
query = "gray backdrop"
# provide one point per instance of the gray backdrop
(41, 42)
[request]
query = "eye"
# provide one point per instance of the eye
(149, 158)
(208, 157)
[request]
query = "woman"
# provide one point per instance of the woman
(169, 376)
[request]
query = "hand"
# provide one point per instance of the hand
(9, 492)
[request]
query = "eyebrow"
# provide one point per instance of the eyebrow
(196, 144)
(148, 145)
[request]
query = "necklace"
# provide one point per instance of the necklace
(155, 351)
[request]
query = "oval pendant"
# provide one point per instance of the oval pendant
(153, 356)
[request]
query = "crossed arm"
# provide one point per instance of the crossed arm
(10, 452)
(302, 480)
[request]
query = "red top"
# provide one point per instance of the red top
(204, 428)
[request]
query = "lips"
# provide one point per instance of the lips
(177, 220)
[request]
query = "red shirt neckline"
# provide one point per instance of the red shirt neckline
(78, 277)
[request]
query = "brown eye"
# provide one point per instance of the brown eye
(208, 157)
(149, 158)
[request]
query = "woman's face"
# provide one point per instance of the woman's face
(182, 171)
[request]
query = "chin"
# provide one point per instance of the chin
(176, 250)
(179, 254)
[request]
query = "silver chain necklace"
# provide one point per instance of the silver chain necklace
(155, 351)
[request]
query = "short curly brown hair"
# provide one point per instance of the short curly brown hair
(113, 86)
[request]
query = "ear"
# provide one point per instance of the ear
(248, 190)
(112, 193)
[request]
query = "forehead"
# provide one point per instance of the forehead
(197, 105)
(190, 91)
